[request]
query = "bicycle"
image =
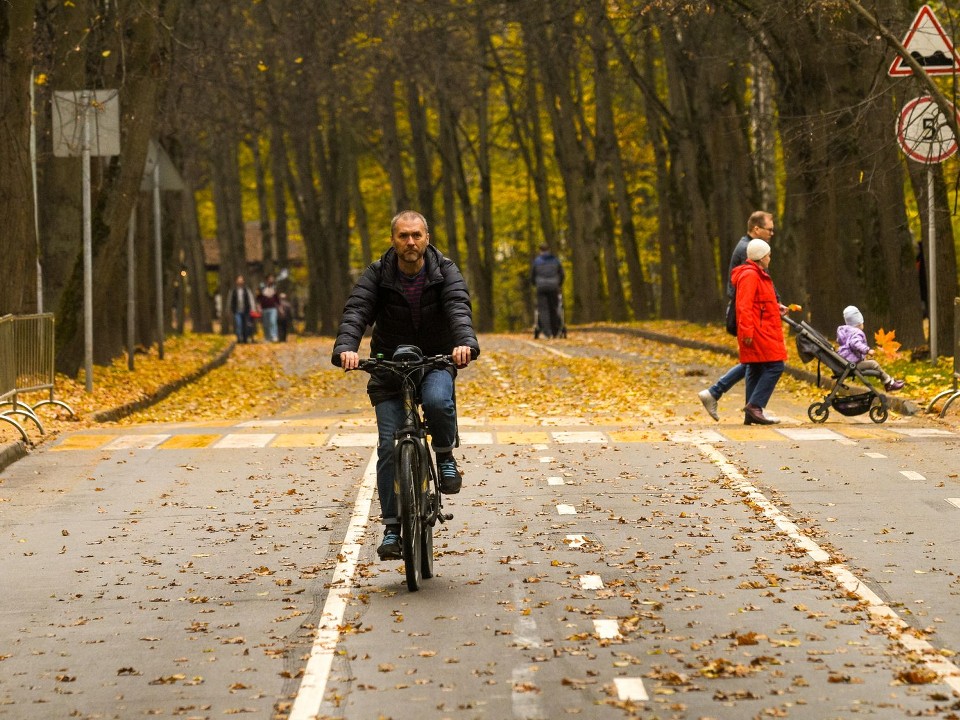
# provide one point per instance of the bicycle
(415, 477)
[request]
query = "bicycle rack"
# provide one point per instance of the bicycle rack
(953, 393)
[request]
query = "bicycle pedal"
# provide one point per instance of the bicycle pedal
(447, 516)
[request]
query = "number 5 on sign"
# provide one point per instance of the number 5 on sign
(924, 133)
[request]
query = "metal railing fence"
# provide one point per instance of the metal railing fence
(26, 365)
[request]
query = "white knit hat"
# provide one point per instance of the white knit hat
(852, 316)
(757, 249)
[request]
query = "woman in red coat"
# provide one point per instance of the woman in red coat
(759, 331)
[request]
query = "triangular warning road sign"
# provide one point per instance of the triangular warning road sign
(930, 47)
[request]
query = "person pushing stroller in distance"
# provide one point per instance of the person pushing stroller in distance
(546, 275)
(854, 348)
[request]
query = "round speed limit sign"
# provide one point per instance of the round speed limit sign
(923, 132)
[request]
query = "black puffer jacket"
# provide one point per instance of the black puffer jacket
(446, 317)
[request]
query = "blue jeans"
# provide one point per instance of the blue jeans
(762, 378)
(439, 408)
(241, 322)
(270, 324)
(730, 378)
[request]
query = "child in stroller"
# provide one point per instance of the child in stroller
(853, 347)
(811, 344)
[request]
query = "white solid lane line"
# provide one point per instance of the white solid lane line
(542, 346)
(895, 628)
(310, 694)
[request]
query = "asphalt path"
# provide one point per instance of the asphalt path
(603, 562)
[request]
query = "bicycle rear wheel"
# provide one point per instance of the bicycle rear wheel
(411, 521)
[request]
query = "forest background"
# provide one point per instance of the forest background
(633, 137)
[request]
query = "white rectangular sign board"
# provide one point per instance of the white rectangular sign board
(103, 116)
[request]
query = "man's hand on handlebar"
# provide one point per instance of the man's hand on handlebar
(349, 360)
(462, 355)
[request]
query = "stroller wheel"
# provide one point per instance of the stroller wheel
(819, 412)
(878, 413)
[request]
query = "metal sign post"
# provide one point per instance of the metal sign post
(87, 242)
(932, 265)
(924, 132)
(158, 257)
(86, 124)
(926, 137)
(159, 173)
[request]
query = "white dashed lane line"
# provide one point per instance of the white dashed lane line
(911, 475)
(630, 689)
(607, 629)
(591, 582)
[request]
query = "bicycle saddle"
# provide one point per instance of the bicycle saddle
(407, 353)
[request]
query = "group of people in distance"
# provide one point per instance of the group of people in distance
(270, 306)
(760, 339)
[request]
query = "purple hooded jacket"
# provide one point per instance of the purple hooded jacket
(853, 343)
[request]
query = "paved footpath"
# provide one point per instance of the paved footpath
(607, 562)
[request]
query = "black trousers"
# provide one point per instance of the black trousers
(548, 312)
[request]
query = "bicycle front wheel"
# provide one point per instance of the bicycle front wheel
(411, 520)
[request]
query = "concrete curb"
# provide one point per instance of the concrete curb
(11, 452)
(898, 405)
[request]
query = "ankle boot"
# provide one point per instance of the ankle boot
(753, 415)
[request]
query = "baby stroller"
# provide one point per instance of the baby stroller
(562, 331)
(812, 345)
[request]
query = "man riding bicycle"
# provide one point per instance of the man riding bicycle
(412, 295)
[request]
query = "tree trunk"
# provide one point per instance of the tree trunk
(448, 183)
(278, 170)
(419, 143)
(18, 291)
(550, 39)
(844, 178)
(230, 230)
(390, 141)
(140, 87)
(946, 276)
(60, 208)
(266, 235)
(485, 311)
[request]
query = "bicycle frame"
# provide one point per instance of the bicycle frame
(415, 474)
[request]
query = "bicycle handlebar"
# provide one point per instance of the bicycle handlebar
(399, 366)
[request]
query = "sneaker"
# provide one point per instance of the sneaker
(894, 385)
(390, 547)
(450, 478)
(709, 403)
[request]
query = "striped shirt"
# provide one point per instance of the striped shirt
(412, 291)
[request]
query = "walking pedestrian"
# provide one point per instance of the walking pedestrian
(546, 275)
(759, 331)
(759, 226)
(241, 303)
(284, 317)
(269, 299)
